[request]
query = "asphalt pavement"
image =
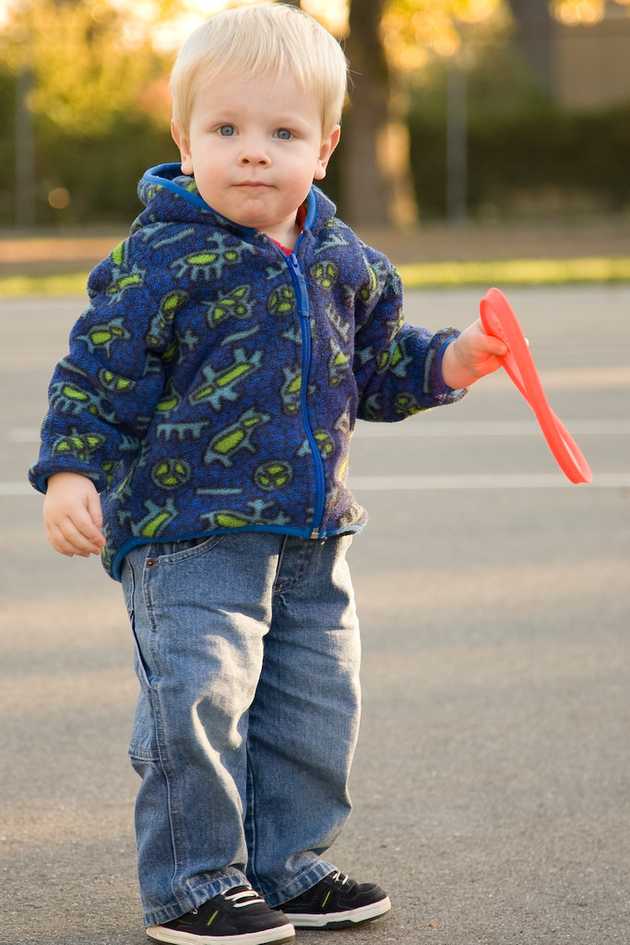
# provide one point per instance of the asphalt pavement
(491, 782)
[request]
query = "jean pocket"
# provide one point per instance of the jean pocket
(128, 581)
(130, 585)
(171, 552)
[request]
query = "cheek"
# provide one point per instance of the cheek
(213, 166)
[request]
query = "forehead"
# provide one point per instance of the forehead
(258, 98)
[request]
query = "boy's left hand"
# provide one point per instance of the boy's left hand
(472, 355)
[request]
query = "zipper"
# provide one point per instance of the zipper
(320, 485)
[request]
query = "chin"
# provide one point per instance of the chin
(246, 218)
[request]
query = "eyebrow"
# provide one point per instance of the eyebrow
(230, 113)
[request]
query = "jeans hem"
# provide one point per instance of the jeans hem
(300, 883)
(200, 894)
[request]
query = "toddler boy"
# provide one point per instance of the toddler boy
(208, 401)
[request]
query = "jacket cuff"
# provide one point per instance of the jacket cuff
(435, 384)
(39, 475)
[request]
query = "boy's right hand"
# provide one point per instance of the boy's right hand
(72, 515)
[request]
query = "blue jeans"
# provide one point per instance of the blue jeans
(247, 651)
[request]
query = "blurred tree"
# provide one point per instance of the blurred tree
(535, 22)
(389, 41)
(366, 187)
(93, 70)
(586, 12)
(534, 35)
(75, 83)
(104, 63)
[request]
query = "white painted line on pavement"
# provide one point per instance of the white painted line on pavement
(458, 428)
(482, 481)
(17, 488)
(427, 483)
(415, 427)
(579, 379)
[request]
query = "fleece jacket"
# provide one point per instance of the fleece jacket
(214, 381)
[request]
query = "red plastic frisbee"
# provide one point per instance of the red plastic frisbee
(498, 319)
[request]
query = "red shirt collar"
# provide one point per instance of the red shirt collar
(300, 217)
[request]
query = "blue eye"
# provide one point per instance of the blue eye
(229, 125)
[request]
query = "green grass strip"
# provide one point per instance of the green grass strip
(500, 272)
(73, 283)
(516, 272)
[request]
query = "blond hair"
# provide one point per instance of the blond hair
(261, 40)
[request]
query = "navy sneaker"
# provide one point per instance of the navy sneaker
(238, 916)
(336, 902)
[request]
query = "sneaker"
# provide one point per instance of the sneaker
(336, 902)
(238, 916)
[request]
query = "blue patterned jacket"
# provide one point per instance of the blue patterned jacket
(214, 381)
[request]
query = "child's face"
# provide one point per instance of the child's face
(255, 129)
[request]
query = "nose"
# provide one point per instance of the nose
(251, 158)
(253, 153)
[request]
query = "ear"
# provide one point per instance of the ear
(184, 148)
(327, 148)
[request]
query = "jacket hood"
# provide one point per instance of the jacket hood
(169, 195)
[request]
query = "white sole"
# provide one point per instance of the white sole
(308, 921)
(283, 933)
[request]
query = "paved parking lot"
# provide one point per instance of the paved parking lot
(491, 783)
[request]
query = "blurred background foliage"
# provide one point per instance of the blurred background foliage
(527, 154)
(93, 74)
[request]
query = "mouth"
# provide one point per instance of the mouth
(253, 185)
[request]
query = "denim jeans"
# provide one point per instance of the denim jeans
(247, 651)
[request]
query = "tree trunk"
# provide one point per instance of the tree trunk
(534, 32)
(375, 175)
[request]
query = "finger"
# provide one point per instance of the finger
(94, 509)
(491, 364)
(61, 544)
(495, 346)
(84, 522)
(491, 343)
(75, 537)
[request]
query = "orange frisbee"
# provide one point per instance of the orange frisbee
(498, 319)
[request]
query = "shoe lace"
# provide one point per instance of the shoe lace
(337, 877)
(247, 894)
